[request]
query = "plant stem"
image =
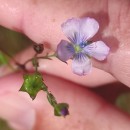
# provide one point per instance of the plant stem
(40, 57)
(35, 63)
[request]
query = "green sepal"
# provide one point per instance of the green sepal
(33, 83)
(61, 109)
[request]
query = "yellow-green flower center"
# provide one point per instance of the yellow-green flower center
(77, 48)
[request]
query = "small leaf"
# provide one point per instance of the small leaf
(61, 109)
(33, 83)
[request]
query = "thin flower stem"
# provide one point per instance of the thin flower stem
(36, 63)
(40, 57)
(50, 97)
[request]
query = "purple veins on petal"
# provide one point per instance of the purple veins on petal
(81, 64)
(65, 50)
(99, 50)
(71, 29)
(79, 30)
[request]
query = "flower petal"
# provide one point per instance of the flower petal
(81, 64)
(79, 30)
(88, 28)
(64, 51)
(71, 29)
(99, 50)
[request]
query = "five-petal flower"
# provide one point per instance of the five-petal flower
(79, 31)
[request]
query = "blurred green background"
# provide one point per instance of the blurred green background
(12, 42)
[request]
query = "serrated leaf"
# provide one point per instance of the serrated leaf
(33, 83)
(61, 109)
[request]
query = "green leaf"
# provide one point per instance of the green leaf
(33, 83)
(123, 102)
(3, 58)
(61, 109)
(4, 125)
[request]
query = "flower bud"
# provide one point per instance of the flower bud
(61, 109)
(38, 48)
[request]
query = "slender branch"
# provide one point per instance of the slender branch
(23, 66)
(36, 63)
(39, 57)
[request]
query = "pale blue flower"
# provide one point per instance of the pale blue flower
(79, 31)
